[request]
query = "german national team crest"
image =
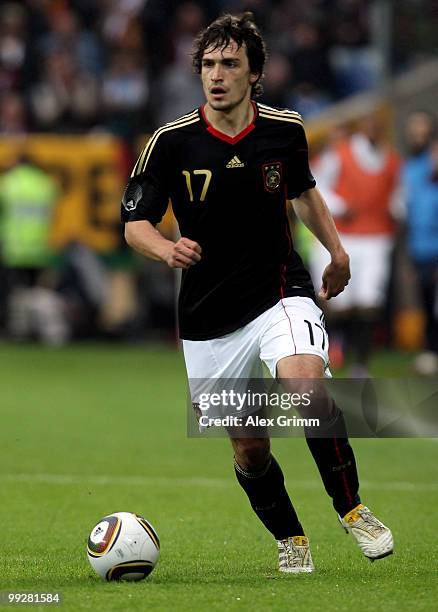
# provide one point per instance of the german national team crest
(272, 176)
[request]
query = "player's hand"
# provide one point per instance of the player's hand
(335, 277)
(183, 254)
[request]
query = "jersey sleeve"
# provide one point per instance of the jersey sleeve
(299, 178)
(146, 195)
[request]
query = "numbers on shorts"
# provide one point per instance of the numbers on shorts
(320, 332)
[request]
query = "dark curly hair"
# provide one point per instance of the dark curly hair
(243, 31)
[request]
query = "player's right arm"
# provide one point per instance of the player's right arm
(144, 203)
(147, 240)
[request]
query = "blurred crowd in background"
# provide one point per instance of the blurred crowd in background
(123, 67)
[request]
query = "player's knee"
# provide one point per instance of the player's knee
(252, 453)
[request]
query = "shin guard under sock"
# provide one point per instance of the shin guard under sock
(269, 499)
(336, 463)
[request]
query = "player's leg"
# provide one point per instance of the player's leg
(331, 450)
(235, 357)
(335, 460)
(295, 348)
(261, 477)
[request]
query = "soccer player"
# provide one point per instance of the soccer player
(228, 168)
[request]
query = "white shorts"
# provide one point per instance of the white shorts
(294, 326)
(370, 268)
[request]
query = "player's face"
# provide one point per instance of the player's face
(226, 77)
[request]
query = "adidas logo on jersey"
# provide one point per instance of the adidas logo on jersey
(235, 163)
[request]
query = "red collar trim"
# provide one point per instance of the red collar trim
(231, 139)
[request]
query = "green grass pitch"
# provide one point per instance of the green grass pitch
(87, 430)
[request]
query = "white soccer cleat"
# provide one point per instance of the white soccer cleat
(373, 537)
(294, 555)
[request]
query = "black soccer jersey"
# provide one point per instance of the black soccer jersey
(229, 195)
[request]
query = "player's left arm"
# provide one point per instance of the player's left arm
(313, 212)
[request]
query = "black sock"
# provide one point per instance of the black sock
(361, 338)
(269, 499)
(336, 464)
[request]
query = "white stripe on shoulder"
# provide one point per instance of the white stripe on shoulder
(190, 115)
(282, 118)
(141, 164)
(278, 111)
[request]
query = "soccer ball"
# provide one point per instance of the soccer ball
(123, 546)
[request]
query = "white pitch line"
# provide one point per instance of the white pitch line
(107, 479)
